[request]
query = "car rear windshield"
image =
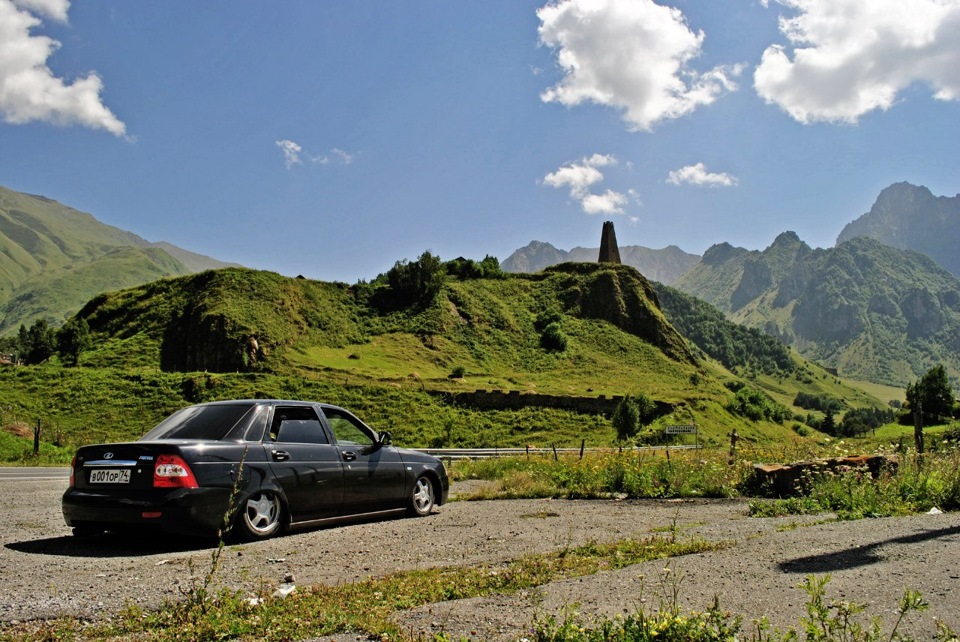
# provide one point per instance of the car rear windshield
(200, 422)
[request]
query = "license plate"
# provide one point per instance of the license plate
(110, 476)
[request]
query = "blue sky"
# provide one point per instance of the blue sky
(331, 139)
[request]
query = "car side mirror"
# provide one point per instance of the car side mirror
(386, 439)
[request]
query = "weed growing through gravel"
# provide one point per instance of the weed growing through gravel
(826, 621)
(361, 606)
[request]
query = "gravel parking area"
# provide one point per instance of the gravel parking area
(46, 572)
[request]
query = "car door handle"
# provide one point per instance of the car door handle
(281, 455)
(349, 456)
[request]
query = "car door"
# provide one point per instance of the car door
(305, 463)
(373, 475)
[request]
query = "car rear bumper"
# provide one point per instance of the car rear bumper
(197, 512)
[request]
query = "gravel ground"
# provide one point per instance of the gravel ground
(46, 572)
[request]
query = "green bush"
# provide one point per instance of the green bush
(553, 338)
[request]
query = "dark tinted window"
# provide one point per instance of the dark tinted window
(297, 425)
(200, 422)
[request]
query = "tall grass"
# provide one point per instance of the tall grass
(918, 484)
(636, 474)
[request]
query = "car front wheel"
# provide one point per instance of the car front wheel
(262, 516)
(422, 498)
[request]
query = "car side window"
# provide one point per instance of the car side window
(297, 426)
(347, 429)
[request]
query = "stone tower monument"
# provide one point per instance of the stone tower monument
(609, 252)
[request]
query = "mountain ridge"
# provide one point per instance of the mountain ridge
(910, 217)
(872, 311)
(53, 258)
(665, 265)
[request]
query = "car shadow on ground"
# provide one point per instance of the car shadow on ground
(859, 556)
(111, 545)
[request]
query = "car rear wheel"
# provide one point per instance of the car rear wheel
(422, 498)
(262, 516)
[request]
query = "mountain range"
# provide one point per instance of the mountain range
(665, 265)
(873, 307)
(869, 310)
(882, 305)
(910, 217)
(53, 259)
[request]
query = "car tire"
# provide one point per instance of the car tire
(422, 499)
(261, 516)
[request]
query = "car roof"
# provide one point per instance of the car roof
(271, 402)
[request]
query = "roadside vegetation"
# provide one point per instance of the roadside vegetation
(364, 606)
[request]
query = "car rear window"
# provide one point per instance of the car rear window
(200, 422)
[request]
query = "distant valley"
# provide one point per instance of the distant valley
(53, 259)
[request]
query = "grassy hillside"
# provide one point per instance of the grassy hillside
(53, 258)
(182, 340)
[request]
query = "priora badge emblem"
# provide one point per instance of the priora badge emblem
(108, 455)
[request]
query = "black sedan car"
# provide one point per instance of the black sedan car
(250, 468)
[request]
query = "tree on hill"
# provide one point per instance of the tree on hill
(416, 282)
(631, 414)
(933, 394)
(72, 339)
(37, 343)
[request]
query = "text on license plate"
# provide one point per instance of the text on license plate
(110, 476)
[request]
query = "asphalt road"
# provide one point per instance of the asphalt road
(19, 473)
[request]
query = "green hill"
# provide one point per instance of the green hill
(425, 371)
(870, 311)
(54, 258)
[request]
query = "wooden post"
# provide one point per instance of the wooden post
(733, 447)
(555, 456)
(36, 439)
(918, 427)
(583, 443)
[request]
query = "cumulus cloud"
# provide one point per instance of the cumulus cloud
(29, 91)
(579, 176)
(633, 55)
(698, 175)
(850, 57)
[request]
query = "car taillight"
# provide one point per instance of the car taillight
(73, 468)
(171, 471)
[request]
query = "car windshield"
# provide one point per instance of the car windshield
(200, 422)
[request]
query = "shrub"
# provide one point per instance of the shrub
(553, 338)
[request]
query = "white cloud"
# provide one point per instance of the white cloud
(344, 157)
(609, 202)
(853, 56)
(579, 176)
(28, 89)
(291, 152)
(633, 55)
(698, 175)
